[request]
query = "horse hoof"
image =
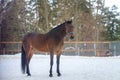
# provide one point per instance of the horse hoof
(59, 75)
(28, 74)
(50, 75)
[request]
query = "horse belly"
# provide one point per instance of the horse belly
(42, 48)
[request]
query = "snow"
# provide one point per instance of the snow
(72, 68)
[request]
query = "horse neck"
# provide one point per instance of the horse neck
(59, 31)
(62, 32)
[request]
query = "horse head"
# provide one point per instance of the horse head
(69, 29)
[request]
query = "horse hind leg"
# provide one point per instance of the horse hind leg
(51, 64)
(29, 56)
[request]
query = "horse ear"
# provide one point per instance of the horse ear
(65, 20)
(71, 20)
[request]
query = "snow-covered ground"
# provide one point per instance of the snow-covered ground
(72, 68)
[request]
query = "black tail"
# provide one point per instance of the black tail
(23, 60)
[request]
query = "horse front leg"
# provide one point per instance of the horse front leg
(51, 64)
(58, 64)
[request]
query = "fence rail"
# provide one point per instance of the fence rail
(9, 42)
(64, 42)
(83, 48)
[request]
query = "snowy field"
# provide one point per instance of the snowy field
(72, 68)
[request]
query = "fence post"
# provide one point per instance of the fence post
(3, 50)
(114, 50)
(78, 51)
(95, 48)
(17, 47)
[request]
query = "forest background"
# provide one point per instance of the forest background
(91, 19)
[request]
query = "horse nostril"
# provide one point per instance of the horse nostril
(71, 37)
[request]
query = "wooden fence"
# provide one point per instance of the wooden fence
(84, 48)
(10, 47)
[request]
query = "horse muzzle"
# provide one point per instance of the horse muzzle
(71, 37)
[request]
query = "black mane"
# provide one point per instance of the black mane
(58, 30)
(58, 33)
(60, 27)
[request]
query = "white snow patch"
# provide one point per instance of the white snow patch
(72, 68)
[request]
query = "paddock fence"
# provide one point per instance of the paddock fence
(84, 48)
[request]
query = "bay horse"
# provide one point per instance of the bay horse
(51, 41)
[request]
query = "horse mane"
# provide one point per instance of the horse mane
(58, 33)
(58, 29)
(61, 26)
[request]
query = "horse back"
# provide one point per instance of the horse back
(34, 40)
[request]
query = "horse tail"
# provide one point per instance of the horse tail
(23, 60)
